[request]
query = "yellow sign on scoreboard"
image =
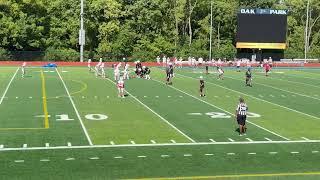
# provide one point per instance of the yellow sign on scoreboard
(249, 45)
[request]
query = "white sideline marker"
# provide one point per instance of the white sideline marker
(273, 152)
(107, 96)
(25, 145)
(142, 156)
(173, 141)
(267, 139)
(17, 97)
(181, 96)
(153, 142)
(187, 155)
(305, 138)
(69, 144)
(30, 97)
(199, 114)
(169, 96)
(230, 154)
(252, 153)
(118, 157)
(132, 142)
(208, 154)
(70, 159)
(313, 152)
(94, 158)
(144, 96)
(112, 143)
(157, 96)
(294, 152)
(18, 161)
(82, 97)
(44, 160)
(47, 145)
(230, 139)
(249, 139)
(1, 146)
(164, 155)
(212, 140)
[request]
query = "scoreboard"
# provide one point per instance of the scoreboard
(261, 29)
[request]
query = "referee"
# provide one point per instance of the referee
(241, 114)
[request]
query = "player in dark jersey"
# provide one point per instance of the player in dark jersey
(146, 72)
(249, 77)
(169, 72)
(202, 87)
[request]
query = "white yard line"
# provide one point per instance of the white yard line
(223, 109)
(6, 90)
(255, 98)
(158, 145)
(267, 139)
(299, 94)
(162, 118)
(75, 109)
(263, 77)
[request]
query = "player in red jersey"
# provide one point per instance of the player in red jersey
(267, 68)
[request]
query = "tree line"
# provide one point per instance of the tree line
(142, 28)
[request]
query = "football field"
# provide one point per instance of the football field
(65, 123)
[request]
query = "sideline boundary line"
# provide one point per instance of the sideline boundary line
(299, 112)
(162, 118)
(233, 176)
(159, 145)
(76, 110)
(225, 111)
(6, 90)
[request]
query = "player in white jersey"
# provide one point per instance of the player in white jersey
(164, 61)
(89, 65)
(97, 69)
(103, 73)
(23, 70)
(126, 71)
(220, 73)
(120, 86)
(238, 65)
(117, 72)
(158, 60)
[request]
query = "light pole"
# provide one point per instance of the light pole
(210, 51)
(306, 43)
(81, 32)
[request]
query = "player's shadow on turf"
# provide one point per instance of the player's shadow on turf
(237, 130)
(126, 95)
(29, 76)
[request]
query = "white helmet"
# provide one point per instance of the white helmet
(143, 67)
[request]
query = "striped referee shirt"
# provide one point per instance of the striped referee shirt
(242, 109)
